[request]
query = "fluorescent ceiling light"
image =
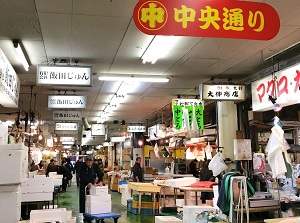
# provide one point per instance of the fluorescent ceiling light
(21, 55)
(159, 47)
(140, 78)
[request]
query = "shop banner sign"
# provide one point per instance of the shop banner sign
(66, 115)
(67, 139)
(136, 128)
(222, 92)
(207, 18)
(67, 101)
(9, 83)
(66, 126)
(188, 114)
(286, 84)
(117, 139)
(64, 75)
(98, 129)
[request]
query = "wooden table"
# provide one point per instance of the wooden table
(196, 190)
(277, 220)
(142, 188)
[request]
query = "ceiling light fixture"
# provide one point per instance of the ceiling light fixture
(135, 78)
(20, 51)
(159, 47)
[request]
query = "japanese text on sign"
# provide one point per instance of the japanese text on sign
(231, 19)
(286, 84)
(222, 92)
(66, 126)
(67, 115)
(64, 75)
(136, 128)
(9, 83)
(186, 112)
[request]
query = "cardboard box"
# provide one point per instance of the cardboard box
(114, 179)
(114, 187)
(98, 207)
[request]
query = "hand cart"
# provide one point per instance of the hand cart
(100, 217)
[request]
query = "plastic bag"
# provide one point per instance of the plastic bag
(156, 150)
(217, 164)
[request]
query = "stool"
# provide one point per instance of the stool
(101, 217)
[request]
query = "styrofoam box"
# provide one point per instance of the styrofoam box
(59, 214)
(37, 185)
(167, 219)
(10, 203)
(14, 157)
(98, 208)
(3, 133)
(126, 194)
(99, 190)
(36, 197)
(190, 212)
(181, 182)
(71, 220)
(57, 182)
(69, 214)
(98, 198)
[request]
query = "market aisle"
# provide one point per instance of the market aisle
(70, 201)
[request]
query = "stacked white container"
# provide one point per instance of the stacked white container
(99, 201)
(14, 160)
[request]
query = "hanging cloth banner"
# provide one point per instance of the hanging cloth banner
(199, 116)
(177, 116)
(194, 108)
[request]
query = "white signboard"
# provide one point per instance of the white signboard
(67, 139)
(222, 92)
(157, 131)
(187, 102)
(136, 128)
(67, 115)
(9, 83)
(64, 75)
(98, 129)
(117, 139)
(67, 126)
(287, 89)
(67, 101)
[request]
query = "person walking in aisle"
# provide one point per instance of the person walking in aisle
(64, 170)
(138, 175)
(77, 170)
(87, 179)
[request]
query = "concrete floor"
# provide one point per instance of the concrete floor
(70, 199)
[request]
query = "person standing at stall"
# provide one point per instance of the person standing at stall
(193, 167)
(137, 171)
(87, 179)
(206, 175)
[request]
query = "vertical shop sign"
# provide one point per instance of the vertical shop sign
(177, 116)
(195, 110)
(9, 83)
(199, 116)
(207, 18)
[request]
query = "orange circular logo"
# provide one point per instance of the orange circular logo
(152, 15)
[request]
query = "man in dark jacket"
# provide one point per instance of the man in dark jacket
(64, 170)
(77, 170)
(137, 171)
(193, 168)
(88, 177)
(52, 167)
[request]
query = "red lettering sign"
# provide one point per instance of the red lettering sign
(207, 18)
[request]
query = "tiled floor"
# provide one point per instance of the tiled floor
(70, 201)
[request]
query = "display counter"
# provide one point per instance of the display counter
(196, 190)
